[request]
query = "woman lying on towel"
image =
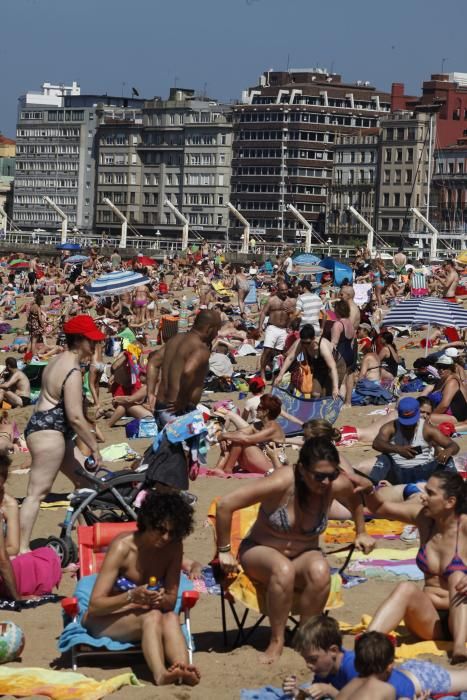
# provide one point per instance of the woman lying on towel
(282, 550)
(141, 614)
(24, 576)
(247, 446)
(440, 610)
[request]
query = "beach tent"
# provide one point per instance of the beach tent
(340, 271)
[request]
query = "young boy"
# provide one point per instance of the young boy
(319, 641)
(374, 661)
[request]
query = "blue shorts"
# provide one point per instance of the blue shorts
(430, 676)
(410, 490)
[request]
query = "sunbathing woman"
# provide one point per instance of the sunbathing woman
(440, 610)
(140, 614)
(282, 550)
(245, 446)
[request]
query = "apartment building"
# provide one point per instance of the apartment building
(181, 152)
(449, 188)
(56, 155)
(354, 181)
(403, 171)
(285, 130)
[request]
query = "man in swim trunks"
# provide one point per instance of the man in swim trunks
(176, 373)
(14, 387)
(449, 279)
(279, 308)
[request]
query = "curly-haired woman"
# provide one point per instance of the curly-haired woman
(141, 614)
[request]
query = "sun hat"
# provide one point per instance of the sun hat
(444, 360)
(408, 411)
(83, 325)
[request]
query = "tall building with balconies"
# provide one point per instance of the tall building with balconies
(56, 155)
(285, 130)
(353, 182)
(449, 189)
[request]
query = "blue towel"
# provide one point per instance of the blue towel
(74, 633)
(265, 693)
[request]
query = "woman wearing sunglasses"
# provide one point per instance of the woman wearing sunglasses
(282, 548)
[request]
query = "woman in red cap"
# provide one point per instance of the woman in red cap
(58, 415)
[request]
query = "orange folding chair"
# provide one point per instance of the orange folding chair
(252, 595)
(93, 542)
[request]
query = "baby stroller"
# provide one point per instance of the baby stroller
(110, 498)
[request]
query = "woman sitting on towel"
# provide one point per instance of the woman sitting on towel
(24, 576)
(282, 550)
(248, 445)
(440, 610)
(143, 614)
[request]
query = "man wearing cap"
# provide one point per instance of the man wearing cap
(411, 448)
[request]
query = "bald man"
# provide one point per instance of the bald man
(176, 372)
(347, 294)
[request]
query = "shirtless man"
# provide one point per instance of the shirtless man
(14, 387)
(279, 308)
(449, 280)
(347, 294)
(176, 372)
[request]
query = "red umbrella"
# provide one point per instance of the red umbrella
(19, 265)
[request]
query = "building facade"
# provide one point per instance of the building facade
(285, 130)
(56, 155)
(7, 173)
(447, 92)
(403, 172)
(449, 188)
(354, 181)
(181, 152)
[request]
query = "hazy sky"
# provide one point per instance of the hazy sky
(221, 45)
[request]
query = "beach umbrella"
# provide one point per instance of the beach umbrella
(306, 264)
(76, 259)
(429, 311)
(116, 283)
(68, 246)
(19, 264)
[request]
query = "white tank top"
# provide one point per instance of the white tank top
(426, 455)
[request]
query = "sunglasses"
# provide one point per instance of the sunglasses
(322, 476)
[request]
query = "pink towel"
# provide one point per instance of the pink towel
(37, 572)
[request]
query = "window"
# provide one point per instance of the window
(385, 199)
(388, 155)
(147, 179)
(132, 178)
(220, 199)
(411, 133)
(167, 218)
(384, 224)
(387, 177)
(171, 118)
(390, 134)
(408, 177)
(221, 158)
(132, 198)
(397, 199)
(224, 139)
(220, 180)
(409, 158)
(399, 155)
(408, 197)
(400, 134)
(396, 224)
(397, 177)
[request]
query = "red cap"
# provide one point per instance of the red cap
(257, 382)
(83, 325)
(447, 428)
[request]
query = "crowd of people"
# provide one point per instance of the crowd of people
(153, 353)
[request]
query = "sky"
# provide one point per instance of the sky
(221, 46)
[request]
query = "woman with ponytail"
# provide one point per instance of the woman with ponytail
(282, 548)
(439, 611)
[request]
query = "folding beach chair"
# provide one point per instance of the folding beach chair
(93, 542)
(241, 589)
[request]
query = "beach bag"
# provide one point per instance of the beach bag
(141, 428)
(302, 377)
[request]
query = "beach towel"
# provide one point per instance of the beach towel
(59, 685)
(305, 409)
(251, 297)
(74, 633)
(368, 392)
(342, 531)
(267, 692)
(362, 293)
(113, 453)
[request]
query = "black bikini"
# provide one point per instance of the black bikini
(52, 418)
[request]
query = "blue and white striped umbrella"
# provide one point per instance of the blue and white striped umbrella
(426, 311)
(116, 283)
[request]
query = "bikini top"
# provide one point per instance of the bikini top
(278, 520)
(456, 563)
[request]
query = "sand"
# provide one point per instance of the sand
(224, 671)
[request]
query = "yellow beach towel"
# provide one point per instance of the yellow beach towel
(59, 685)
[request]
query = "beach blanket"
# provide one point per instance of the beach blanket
(305, 409)
(368, 392)
(59, 685)
(342, 531)
(251, 297)
(384, 563)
